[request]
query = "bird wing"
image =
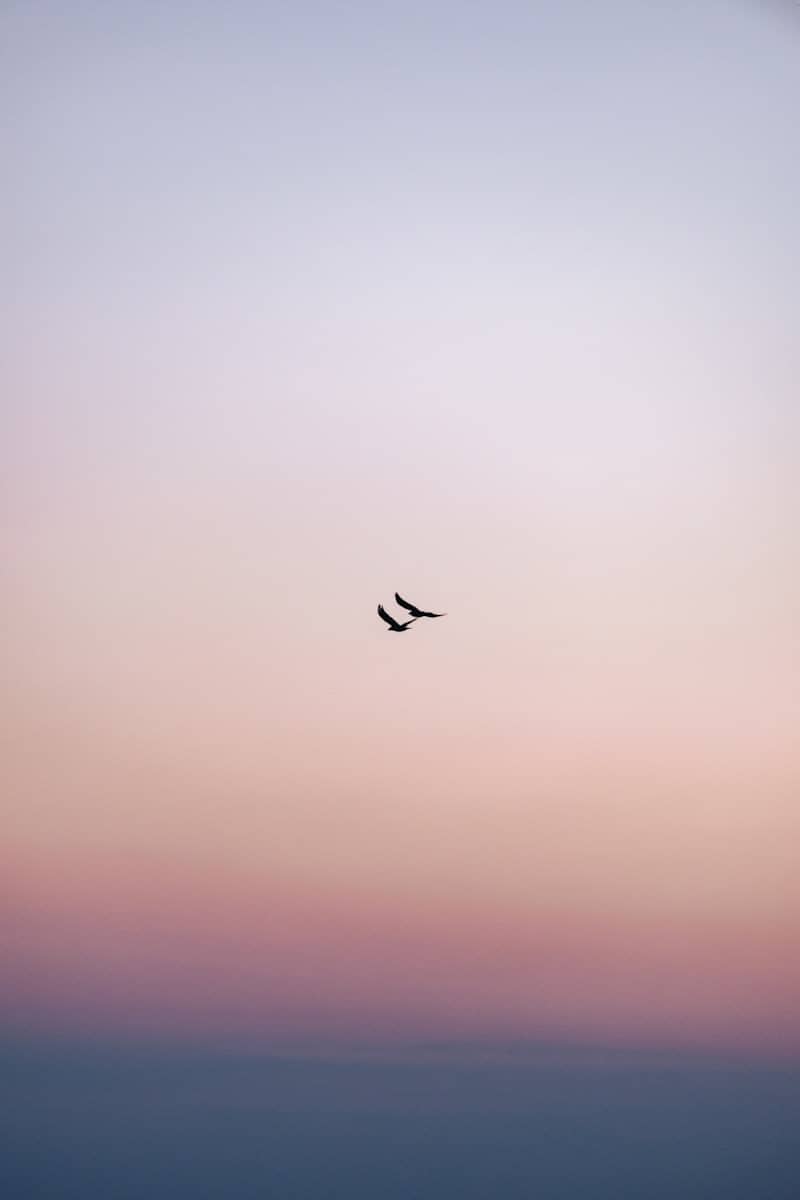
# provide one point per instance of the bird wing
(412, 608)
(384, 616)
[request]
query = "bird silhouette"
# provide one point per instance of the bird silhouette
(412, 608)
(394, 626)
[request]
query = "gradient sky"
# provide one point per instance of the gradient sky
(492, 304)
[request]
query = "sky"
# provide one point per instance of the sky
(494, 305)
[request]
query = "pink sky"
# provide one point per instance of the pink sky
(533, 387)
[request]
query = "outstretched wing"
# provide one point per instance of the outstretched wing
(384, 616)
(412, 608)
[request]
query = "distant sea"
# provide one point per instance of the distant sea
(140, 1121)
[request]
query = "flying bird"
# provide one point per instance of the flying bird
(412, 608)
(394, 626)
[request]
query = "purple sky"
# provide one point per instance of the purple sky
(492, 304)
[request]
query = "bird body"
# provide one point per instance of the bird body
(412, 608)
(394, 626)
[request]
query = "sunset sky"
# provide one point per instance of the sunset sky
(493, 304)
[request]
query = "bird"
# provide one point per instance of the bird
(412, 608)
(394, 626)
